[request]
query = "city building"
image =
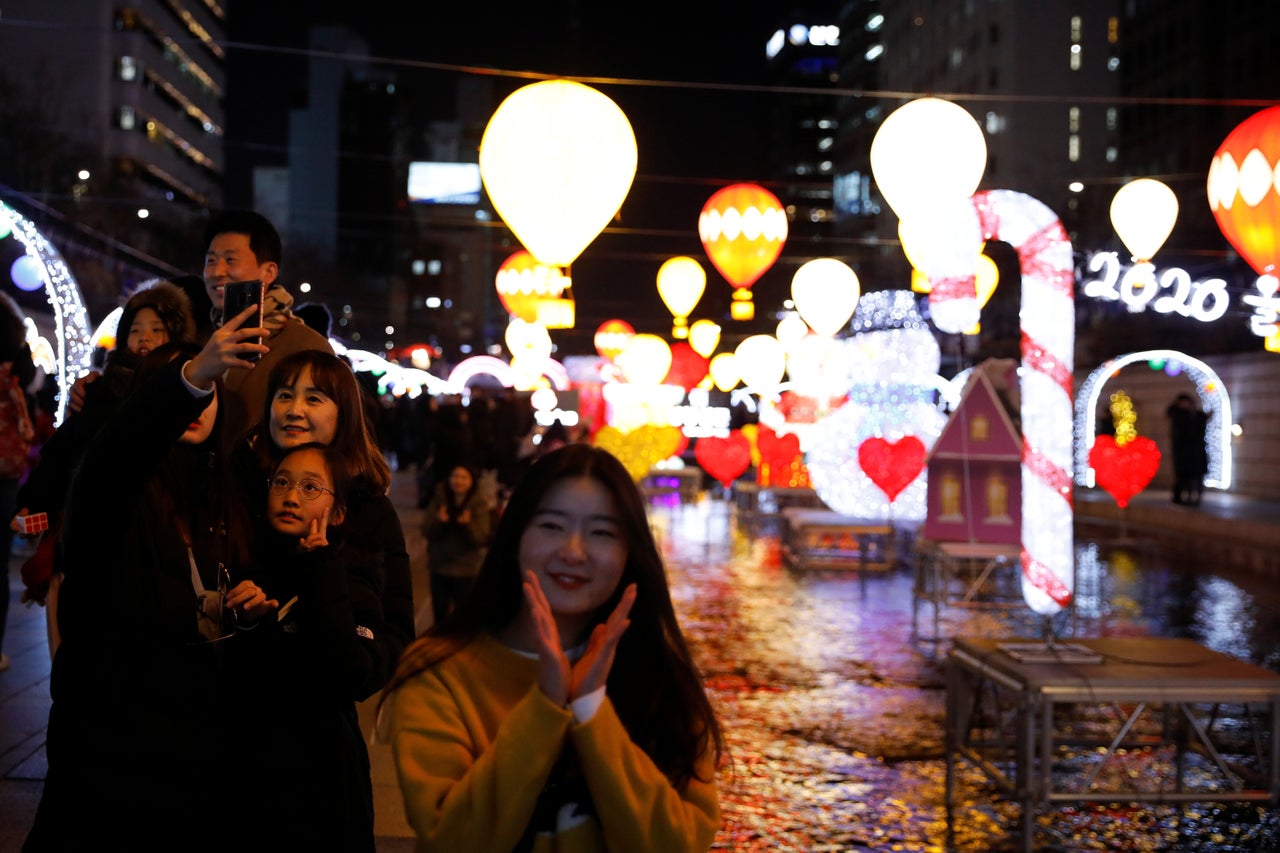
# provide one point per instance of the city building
(114, 130)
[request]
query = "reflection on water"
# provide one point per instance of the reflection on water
(834, 712)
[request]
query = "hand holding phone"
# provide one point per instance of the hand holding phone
(236, 297)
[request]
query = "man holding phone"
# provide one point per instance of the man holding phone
(243, 246)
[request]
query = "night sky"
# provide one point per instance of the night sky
(692, 139)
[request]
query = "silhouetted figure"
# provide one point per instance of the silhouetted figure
(1187, 423)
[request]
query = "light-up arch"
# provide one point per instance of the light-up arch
(73, 347)
(1213, 399)
(501, 370)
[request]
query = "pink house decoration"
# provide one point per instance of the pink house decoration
(974, 471)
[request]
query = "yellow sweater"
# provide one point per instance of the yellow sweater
(476, 741)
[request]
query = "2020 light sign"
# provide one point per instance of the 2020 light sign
(1138, 286)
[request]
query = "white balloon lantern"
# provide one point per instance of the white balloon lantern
(927, 149)
(681, 281)
(1143, 213)
(825, 291)
(761, 362)
(557, 159)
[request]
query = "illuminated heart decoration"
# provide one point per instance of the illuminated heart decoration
(1124, 470)
(892, 465)
(640, 449)
(725, 459)
(781, 463)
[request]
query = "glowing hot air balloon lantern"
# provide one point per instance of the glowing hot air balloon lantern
(928, 158)
(681, 281)
(1242, 190)
(704, 337)
(522, 283)
(557, 159)
(743, 228)
(1143, 213)
(611, 338)
(825, 292)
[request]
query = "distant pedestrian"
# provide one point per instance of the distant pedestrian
(456, 527)
(1187, 425)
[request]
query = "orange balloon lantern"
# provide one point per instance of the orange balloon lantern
(743, 228)
(612, 337)
(1242, 189)
(523, 283)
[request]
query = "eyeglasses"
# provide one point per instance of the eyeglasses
(308, 490)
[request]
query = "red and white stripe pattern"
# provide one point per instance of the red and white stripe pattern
(1047, 320)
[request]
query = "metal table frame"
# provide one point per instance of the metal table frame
(955, 573)
(1177, 677)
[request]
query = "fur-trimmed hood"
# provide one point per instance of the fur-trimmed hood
(169, 301)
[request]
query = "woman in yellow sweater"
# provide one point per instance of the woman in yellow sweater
(557, 707)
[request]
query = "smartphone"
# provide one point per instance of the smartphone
(239, 295)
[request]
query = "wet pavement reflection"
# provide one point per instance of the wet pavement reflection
(834, 711)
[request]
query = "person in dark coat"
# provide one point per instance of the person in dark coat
(1187, 425)
(296, 667)
(155, 558)
(14, 352)
(313, 397)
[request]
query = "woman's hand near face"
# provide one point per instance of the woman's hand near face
(553, 666)
(591, 671)
(226, 348)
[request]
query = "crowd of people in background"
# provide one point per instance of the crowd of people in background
(226, 577)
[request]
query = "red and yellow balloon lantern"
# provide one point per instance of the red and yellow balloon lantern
(612, 337)
(523, 283)
(743, 228)
(1243, 193)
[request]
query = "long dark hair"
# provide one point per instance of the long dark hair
(193, 488)
(365, 467)
(654, 684)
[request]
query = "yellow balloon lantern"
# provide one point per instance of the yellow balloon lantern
(704, 337)
(985, 280)
(925, 150)
(723, 371)
(761, 362)
(557, 159)
(611, 338)
(1143, 213)
(825, 292)
(645, 360)
(681, 281)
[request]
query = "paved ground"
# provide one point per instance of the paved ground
(24, 699)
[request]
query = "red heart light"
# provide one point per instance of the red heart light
(1123, 470)
(781, 462)
(892, 465)
(725, 459)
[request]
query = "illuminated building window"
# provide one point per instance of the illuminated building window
(1077, 27)
(957, 57)
(825, 143)
(995, 123)
(1075, 57)
(125, 118)
(1113, 64)
(874, 23)
(1073, 148)
(127, 68)
(997, 500)
(1113, 118)
(1073, 120)
(949, 493)
(873, 53)
(1113, 30)
(979, 429)
(1112, 153)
